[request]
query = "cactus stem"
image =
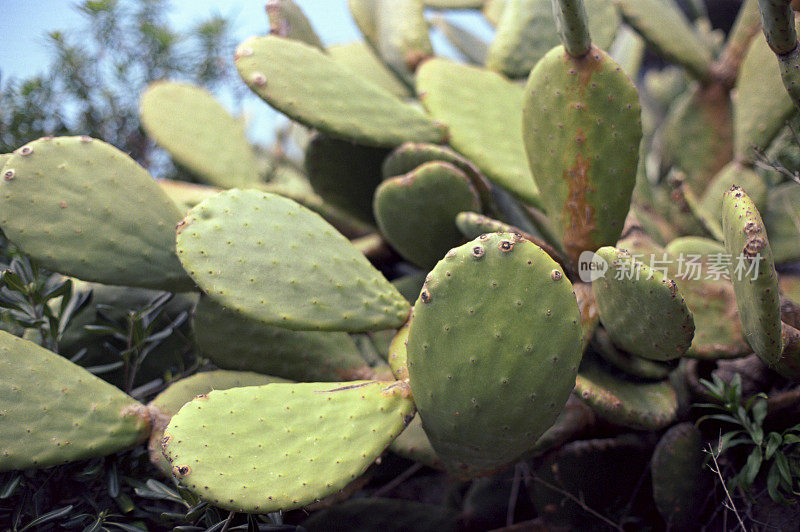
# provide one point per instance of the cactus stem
(572, 26)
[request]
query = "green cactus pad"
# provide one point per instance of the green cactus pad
(709, 296)
(414, 444)
(383, 515)
(782, 220)
(186, 195)
(641, 406)
(526, 31)
(496, 324)
(435, 192)
(582, 130)
(199, 134)
(345, 174)
(678, 476)
(629, 364)
(282, 446)
(410, 155)
(295, 355)
(361, 60)
(733, 173)
(698, 134)
(641, 308)
(666, 29)
(397, 30)
(472, 47)
(761, 106)
(286, 19)
(398, 352)
(316, 90)
(83, 208)
(277, 262)
(757, 294)
(54, 412)
(167, 403)
(481, 110)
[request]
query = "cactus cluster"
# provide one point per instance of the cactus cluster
(517, 206)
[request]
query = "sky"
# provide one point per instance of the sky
(24, 24)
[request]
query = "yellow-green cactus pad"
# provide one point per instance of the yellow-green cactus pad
(756, 282)
(666, 29)
(167, 403)
(286, 19)
(481, 111)
(263, 449)
(641, 308)
(642, 406)
(83, 208)
(396, 30)
(582, 128)
(316, 90)
(761, 106)
(496, 324)
(295, 355)
(277, 262)
(361, 60)
(199, 134)
(398, 352)
(53, 411)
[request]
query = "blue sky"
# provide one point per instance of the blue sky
(24, 24)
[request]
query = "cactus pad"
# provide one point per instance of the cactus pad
(757, 294)
(54, 412)
(481, 110)
(496, 324)
(761, 106)
(641, 308)
(582, 130)
(199, 133)
(435, 192)
(83, 208)
(398, 352)
(167, 403)
(641, 406)
(345, 174)
(295, 355)
(782, 220)
(282, 446)
(396, 30)
(666, 29)
(286, 19)
(361, 60)
(316, 90)
(678, 475)
(271, 259)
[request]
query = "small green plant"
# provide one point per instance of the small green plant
(136, 334)
(40, 301)
(778, 453)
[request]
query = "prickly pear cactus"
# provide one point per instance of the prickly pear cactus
(582, 129)
(496, 324)
(310, 439)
